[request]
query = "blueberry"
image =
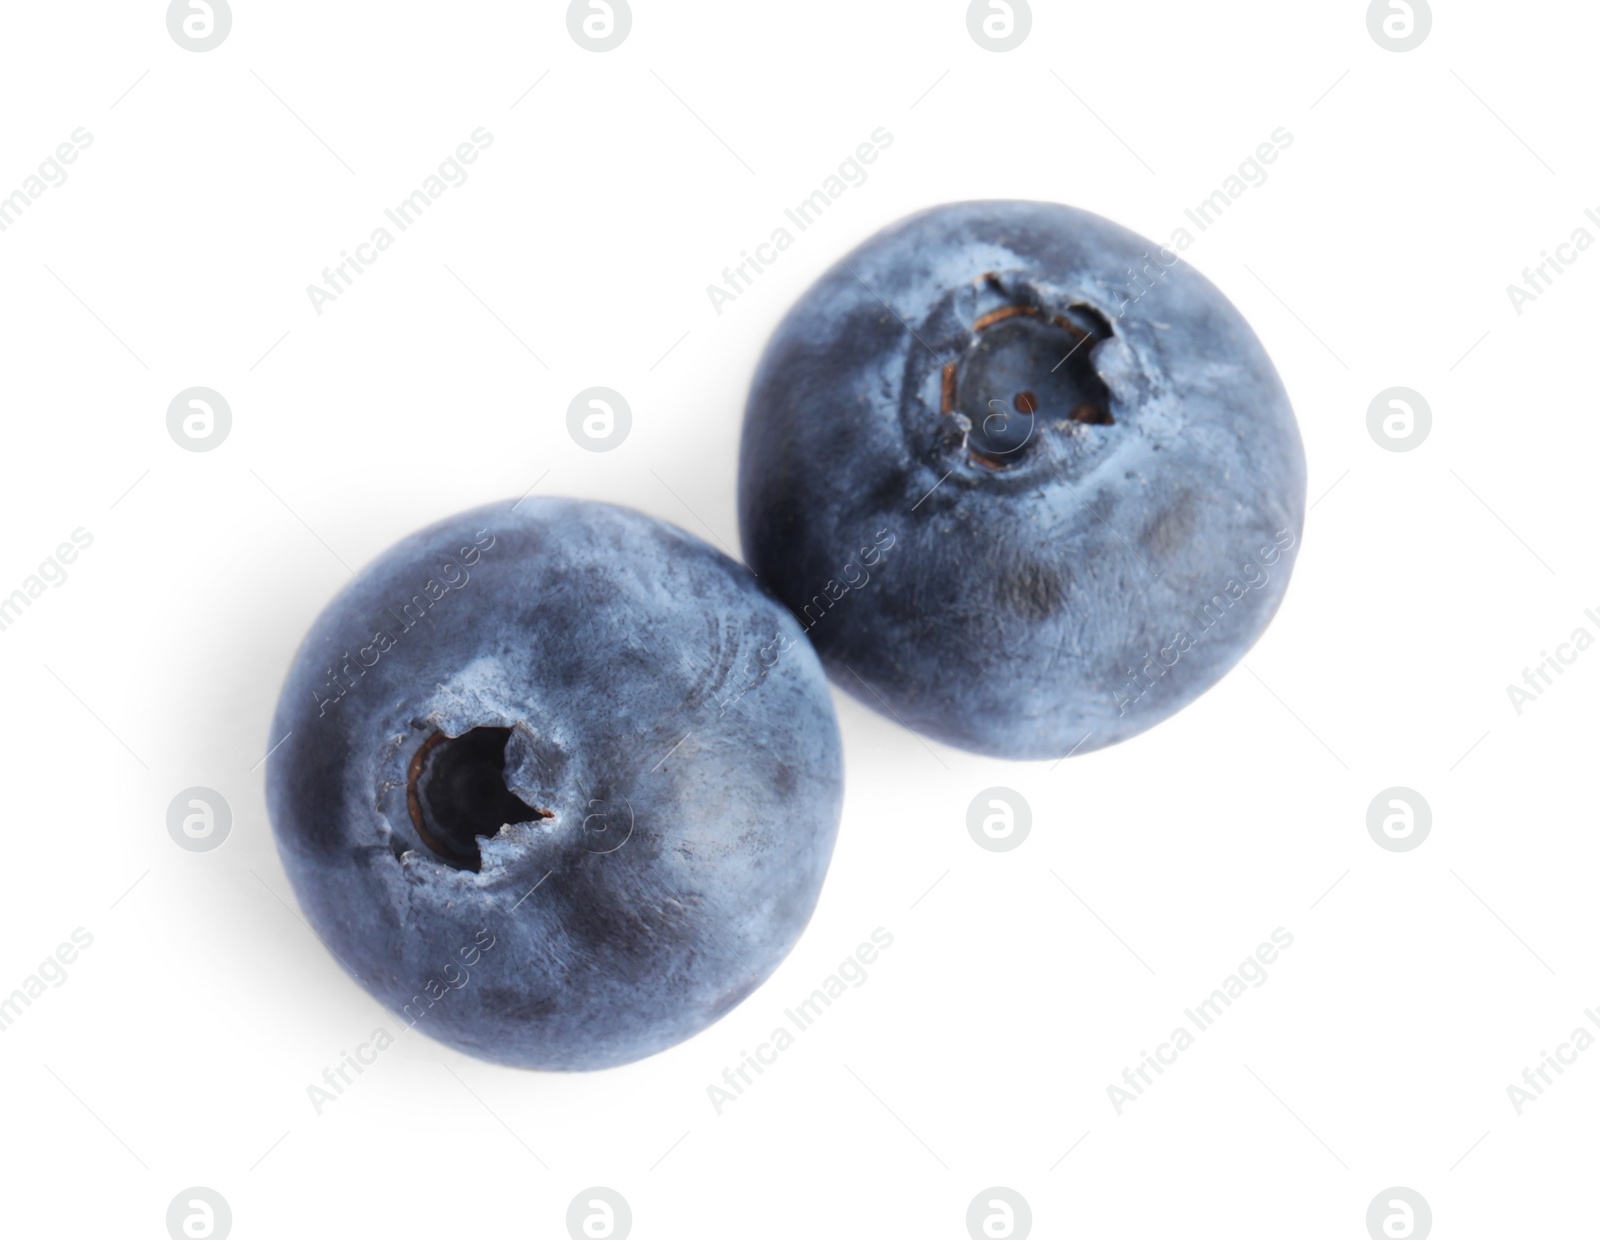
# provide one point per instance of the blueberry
(558, 783)
(1031, 482)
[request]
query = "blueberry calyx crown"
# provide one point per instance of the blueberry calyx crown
(1025, 368)
(456, 792)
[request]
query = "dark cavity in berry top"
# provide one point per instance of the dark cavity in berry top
(457, 793)
(1024, 371)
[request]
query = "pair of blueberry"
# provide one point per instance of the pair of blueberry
(1017, 479)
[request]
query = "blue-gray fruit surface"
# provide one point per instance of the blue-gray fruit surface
(1029, 481)
(557, 782)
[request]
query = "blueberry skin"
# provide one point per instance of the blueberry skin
(1030, 481)
(658, 730)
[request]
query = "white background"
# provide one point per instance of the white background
(1019, 985)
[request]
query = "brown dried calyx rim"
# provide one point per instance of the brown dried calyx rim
(1024, 371)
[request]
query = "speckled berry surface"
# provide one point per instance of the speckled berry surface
(1079, 458)
(557, 782)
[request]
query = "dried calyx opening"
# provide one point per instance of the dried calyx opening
(1026, 369)
(456, 792)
